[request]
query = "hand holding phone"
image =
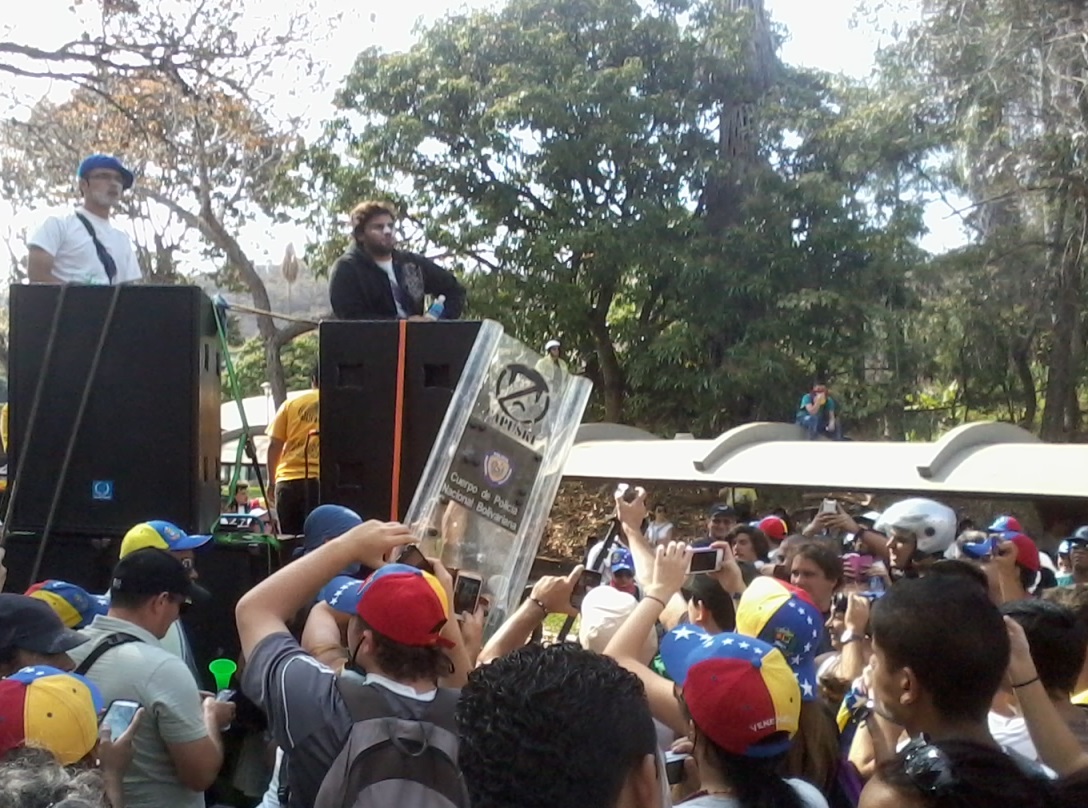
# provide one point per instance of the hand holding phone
(829, 506)
(118, 717)
(413, 557)
(674, 767)
(466, 593)
(586, 581)
(704, 560)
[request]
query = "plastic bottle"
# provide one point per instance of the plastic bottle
(437, 307)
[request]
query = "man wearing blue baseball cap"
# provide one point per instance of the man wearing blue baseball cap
(82, 246)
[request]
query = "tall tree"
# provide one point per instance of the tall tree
(1006, 82)
(643, 181)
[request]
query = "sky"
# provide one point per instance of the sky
(822, 34)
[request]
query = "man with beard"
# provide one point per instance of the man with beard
(82, 246)
(375, 281)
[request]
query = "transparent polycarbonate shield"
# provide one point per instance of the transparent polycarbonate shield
(489, 484)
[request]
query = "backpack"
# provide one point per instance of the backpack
(389, 761)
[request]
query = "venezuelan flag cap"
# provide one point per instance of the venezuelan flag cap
(784, 616)
(405, 604)
(739, 691)
(75, 606)
(49, 709)
(161, 535)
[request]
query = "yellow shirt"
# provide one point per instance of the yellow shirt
(1081, 699)
(292, 425)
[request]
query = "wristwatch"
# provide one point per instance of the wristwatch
(849, 636)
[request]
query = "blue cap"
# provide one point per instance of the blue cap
(978, 549)
(325, 523)
(621, 560)
(95, 161)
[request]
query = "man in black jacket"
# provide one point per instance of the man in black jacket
(373, 281)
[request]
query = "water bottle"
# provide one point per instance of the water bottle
(437, 307)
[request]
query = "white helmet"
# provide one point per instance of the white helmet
(552, 343)
(933, 524)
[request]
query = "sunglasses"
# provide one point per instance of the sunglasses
(927, 766)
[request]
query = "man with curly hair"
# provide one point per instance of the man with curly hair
(544, 727)
(375, 281)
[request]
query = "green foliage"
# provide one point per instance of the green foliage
(299, 358)
(566, 155)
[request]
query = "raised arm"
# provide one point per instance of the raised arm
(668, 573)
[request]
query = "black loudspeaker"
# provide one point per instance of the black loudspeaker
(149, 443)
(359, 404)
(74, 559)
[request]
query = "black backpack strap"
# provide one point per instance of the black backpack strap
(108, 644)
(103, 254)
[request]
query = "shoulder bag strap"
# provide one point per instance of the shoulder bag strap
(107, 644)
(103, 254)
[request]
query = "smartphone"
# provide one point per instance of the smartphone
(413, 557)
(466, 593)
(854, 563)
(586, 581)
(627, 492)
(829, 506)
(674, 768)
(704, 559)
(119, 716)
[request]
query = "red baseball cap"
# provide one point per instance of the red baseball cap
(1027, 554)
(403, 603)
(773, 526)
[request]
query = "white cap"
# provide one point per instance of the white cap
(604, 608)
(552, 343)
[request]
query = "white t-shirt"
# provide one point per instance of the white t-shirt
(657, 531)
(388, 267)
(809, 794)
(74, 258)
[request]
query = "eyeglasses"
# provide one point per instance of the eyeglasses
(927, 766)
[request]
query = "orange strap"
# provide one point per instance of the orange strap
(398, 420)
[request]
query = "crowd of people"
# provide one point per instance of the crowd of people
(872, 659)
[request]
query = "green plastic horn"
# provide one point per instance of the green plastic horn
(223, 670)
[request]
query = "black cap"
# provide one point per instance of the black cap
(721, 509)
(29, 624)
(152, 571)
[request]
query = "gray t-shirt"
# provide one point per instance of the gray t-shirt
(162, 684)
(809, 794)
(308, 718)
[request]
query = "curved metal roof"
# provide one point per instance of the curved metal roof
(985, 458)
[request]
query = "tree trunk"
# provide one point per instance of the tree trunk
(1063, 264)
(613, 389)
(1021, 359)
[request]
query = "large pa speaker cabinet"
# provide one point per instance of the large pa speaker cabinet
(359, 403)
(148, 446)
